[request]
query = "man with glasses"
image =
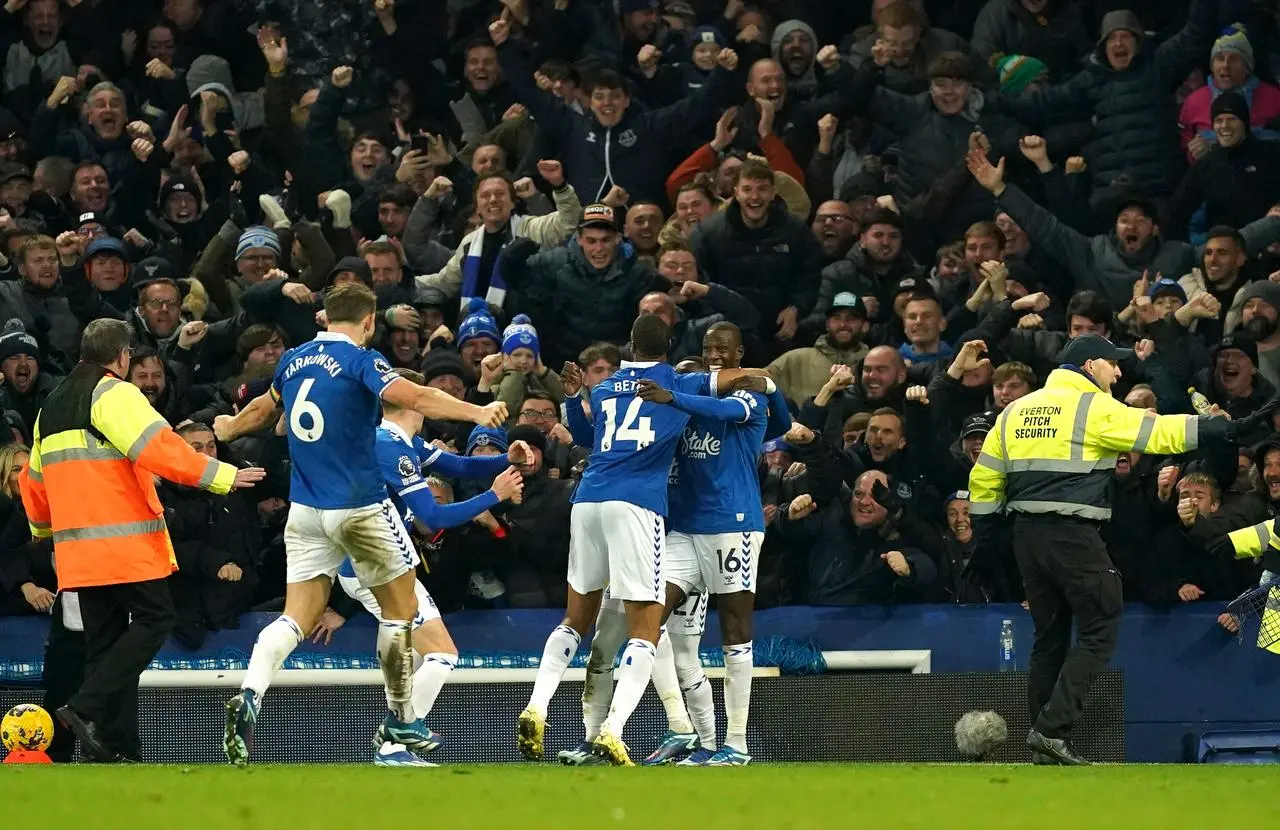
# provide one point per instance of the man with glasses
(835, 228)
(558, 451)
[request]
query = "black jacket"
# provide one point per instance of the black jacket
(1236, 185)
(773, 267)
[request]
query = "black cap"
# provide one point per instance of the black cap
(978, 424)
(1241, 343)
(1088, 347)
(850, 301)
(14, 170)
(914, 285)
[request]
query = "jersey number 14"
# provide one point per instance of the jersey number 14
(633, 427)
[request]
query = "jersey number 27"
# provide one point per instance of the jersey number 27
(633, 427)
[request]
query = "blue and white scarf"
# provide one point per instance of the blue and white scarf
(497, 290)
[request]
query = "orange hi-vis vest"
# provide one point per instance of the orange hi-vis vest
(91, 480)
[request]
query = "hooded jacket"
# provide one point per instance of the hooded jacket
(210, 73)
(801, 373)
(806, 85)
(1133, 108)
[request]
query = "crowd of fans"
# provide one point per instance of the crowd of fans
(907, 207)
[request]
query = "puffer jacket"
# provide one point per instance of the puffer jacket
(1057, 37)
(854, 273)
(572, 303)
(773, 267)
(1096, 263)
(1133, 109)
(1235, 185)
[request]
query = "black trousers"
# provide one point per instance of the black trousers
(1068, 577)
(124, 626)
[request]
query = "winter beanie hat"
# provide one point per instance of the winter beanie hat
(1234, 39)
(258, 236)
(1232, 103)
(477, 322)
(16, 341)
(520, 335)
(1017, 72)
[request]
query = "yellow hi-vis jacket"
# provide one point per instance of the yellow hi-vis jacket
(90, 483)
(1054, 451)
(1253, 542)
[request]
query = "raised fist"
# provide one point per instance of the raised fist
(342, 76)
(440, 187)
(799, 434)
(616, 197)
(142, 149)
(239, 162)
(800, 507)
(828, 57)
(881, 53)
(827, 126)
(648, 59)
(727, 59)
(499, 31)
(525, 188)
(918, 394)
(552, 172)
(69, 245)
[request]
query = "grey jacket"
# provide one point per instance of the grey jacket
(18, 299)
(1097, 263)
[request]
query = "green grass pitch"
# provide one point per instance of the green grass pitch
(801, 796)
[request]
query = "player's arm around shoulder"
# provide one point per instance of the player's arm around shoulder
(1115, 426)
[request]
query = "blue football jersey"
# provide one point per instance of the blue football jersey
(715, 488)
(635, 441)
(331, 390)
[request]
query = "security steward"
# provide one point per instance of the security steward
(1048, 464)
(90, 485)
(1260, 541)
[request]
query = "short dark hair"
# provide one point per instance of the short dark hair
(727, 327)
(256, 336)
(889, 410)
(400, 194)
(496, 174)
(954, 65)
(672, 246)
(1226, 232)
(103, 340)
(881, 216)
(606, 79)
(484, 42)
(143, 353)
(650, 337)
(1014, 368)
(410, 375)
(1090, 305)
(607, 352)
(192, 427)
(538, 395)
(561, 70)
(350, 302)
(922, 297)
(147, 285)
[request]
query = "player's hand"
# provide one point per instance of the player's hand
(246, 477)
(650, 391)
(40, 599)
(223, 428)
(1165, 480)
(897, 562)
(1190, 593)
(492, 415)
(801, 506)
(509, 485)
(571, 379)
(519, 454)
(799, 434)
(329, 622)
(918, 394)
(230, 572)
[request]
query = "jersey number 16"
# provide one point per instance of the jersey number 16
(633, 428)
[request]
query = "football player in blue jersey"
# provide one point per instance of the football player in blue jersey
(405, 460)
(717, 528)
(331, 390)
(617, 531)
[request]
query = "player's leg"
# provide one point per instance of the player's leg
(694, 684)
(597, 688)
(312, 562)
(681, 573)
(588, 576)
(431, 642)
(733, 558)
(636, 552)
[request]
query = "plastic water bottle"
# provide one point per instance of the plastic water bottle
(1199, 402)
(1008, 656)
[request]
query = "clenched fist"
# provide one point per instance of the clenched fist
(69, 245)
(493, 415)
(440, 187)
(727, 59)
(552, 172)
(238, 162)
(499, 31)
(828, 57)
(918, 394)
(525, 188)
(799, 434)
(648, 59)
(342, 77)
(800, 507)
(897, 562)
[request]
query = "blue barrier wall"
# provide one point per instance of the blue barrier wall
(1183, 674)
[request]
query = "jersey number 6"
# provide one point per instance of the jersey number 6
(302, 406)
(633, 428)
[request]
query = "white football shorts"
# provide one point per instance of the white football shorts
(426, 605)
(713, 563)
(618, 545)
(317, 540)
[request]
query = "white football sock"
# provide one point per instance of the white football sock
(597, 690)
(275, 643)
(429, 679)
(556, 656)
(696, 687)
(633, 679)
(667, 685)
(738, 664)
(395, 656)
